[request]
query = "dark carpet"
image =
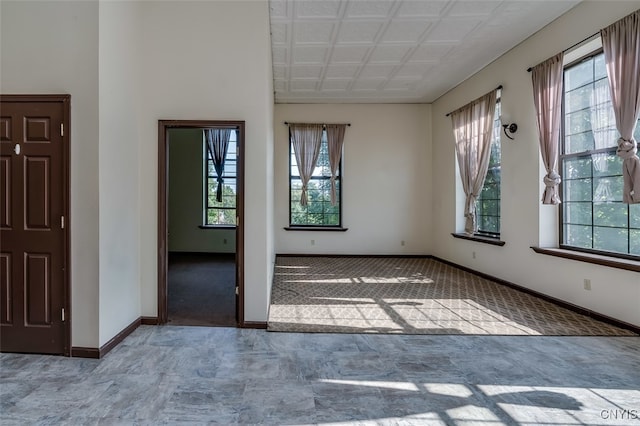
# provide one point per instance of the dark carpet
(202, 289)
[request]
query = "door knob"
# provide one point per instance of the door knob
(16, 149)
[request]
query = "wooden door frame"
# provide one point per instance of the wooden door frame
(65, 100)
(163, 173)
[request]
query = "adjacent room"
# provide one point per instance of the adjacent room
(201, 227)
(319, 212)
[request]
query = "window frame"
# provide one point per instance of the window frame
(587, 153)
(339, 180)
(207, 178)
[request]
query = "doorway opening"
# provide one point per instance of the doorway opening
(200, 222)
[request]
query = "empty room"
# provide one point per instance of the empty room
(320, 212)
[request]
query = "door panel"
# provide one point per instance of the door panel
(37, 129)
(5, 192)
(7, 292)
(38, 194)
(37, 297)
(5, 129)
(34, 287)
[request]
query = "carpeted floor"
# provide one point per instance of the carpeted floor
(202, 289)
(411, 296)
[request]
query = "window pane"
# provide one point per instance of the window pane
(578, 99)
(634, 215)
(578, 213)
(488, 224)
(578, 122)
(579, 142)
(578, 75)
(607, 164)
(578, 190)
(331, 219)
(577, 168)
(610, 214)
(610, 239)
(577, 236)
(600, 67)
(489, 207)
(221, 217)
(634, 242)
(608, 189)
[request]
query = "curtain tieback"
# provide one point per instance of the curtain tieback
(552, 179)
(470, 206)
(627, 148)
(220, 180)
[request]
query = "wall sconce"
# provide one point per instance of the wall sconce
(510, 128)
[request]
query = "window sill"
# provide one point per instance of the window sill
(612, 262)
(316, 228)
(217, 226)
(479, 239)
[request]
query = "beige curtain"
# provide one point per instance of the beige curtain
(306, 140)
(603, 127)
(621, 44)
(335, 139)
(472, 129)
(547, 97)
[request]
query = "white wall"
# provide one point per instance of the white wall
(118, 165)
(186, 198)
(386, 179)
(614, 292)
(208, 60)
(51, 48)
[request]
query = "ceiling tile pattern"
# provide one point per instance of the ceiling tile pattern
(384, 51)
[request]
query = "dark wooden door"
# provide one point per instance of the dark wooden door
(33, 174)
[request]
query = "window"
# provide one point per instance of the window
(221, 212)
(319, 211)
(593, 216)
(488, 203)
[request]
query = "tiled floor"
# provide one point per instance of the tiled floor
(182, 375)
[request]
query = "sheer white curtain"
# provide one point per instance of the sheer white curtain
(335, 140)
(621, 44)
(306, 140)
(472, 129)
(547, 97)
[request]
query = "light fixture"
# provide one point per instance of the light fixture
(511, 128)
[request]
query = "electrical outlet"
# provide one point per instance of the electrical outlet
(402, 243)
(473, 254)
(313, 242)
(587, 284)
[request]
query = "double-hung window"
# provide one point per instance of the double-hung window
(593, 216)
(221, 212)
(319, 212)
(488, 202)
